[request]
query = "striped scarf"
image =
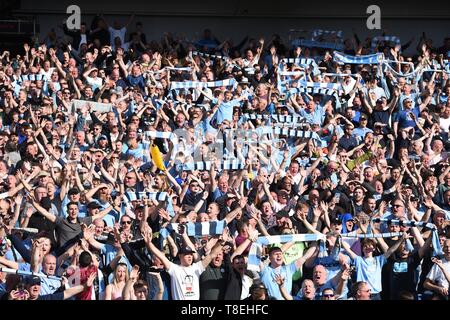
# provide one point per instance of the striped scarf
(200, 84)
(317, 44)
(159, 134)
(310, 90)
(437, 249)
(32, 77)
(29, 273)
(277, 117)
(378, 39)
(197, 229)
(371, 235)
(319, 32)
(206, 165)
(158, 196)
(342, 58)
(207, 55)
(413, 74)
(254, 256)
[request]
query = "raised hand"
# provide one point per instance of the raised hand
(279, 280)
(90, 280)
(134, 274)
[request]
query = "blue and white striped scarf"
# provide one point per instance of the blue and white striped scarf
(159, 134)
(317, 44)
(304, 62)
(197, 229)
(378, 39)
(310, 90)
(199, 84)
(254, 256)
(207, 55)
(206, 165)
(413, 74)
(158, 196)
(276, 117)
(342, 58)
(32, 77)
(437, 249)
(29, 273)
(319, 32)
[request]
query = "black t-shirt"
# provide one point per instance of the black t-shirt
(348, 143)
(381, 116)
(401, 274)
(298, 225)
(213, 283)
(53, 296)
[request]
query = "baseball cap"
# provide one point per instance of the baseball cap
(335, 220)
(103, 137)
(33, 280)
(186, 250)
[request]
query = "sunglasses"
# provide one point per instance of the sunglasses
(328, 295)
(126, 222)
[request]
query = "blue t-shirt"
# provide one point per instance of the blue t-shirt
(315, 117)
(225, 111)
(268, 274)
(369, 270)
(404, 119)
(49, 286)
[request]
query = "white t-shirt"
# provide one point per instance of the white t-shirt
(117, 33)
(83, 40)
(48, 74)
(437, 276)
(444, 124)
(184, 281)
(246, 284)
(96, 83)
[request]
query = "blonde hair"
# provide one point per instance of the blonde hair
(116, 277)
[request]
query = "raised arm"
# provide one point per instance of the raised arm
(218, 247)
(308, 254)
(395, 246)
(153, 249)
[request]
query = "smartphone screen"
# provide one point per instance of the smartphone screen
(337, 196)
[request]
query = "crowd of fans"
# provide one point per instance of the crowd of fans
(100, 202)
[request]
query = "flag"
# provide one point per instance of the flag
(157, 157)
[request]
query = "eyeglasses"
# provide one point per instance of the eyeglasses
(129, 177)
(126, 222)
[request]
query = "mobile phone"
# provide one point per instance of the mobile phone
(337, 196)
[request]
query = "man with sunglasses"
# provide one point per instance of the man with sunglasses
(328, 294)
